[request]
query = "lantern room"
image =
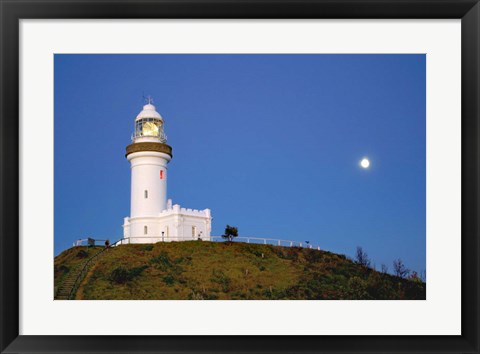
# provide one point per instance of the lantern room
(149, 125)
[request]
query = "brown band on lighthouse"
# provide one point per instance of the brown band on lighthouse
(149, 146)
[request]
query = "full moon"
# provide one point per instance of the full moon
(365, 163)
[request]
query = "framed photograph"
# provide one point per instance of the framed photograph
(236, 176)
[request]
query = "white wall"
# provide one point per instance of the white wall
(176, 225)
(145, 171)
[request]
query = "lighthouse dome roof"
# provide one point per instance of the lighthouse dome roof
(149, 111)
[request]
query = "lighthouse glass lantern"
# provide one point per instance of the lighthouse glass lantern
(149, 126)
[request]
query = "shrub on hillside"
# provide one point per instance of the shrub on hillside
(121, 275)
(414, 289)
(357, 289)
(257, 253)
(290, 253)
(379, 287)
(169, 279)
(313, 256)
(275, 294)
(162, 261)
(135, 272)
(147, 248)
(183, 260)
(63, 268)
(82, 254)
(221, 278)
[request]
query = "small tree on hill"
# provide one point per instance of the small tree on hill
(414, 277)
(399, 269)
(230, 232)
(361, 257)
(384, 269)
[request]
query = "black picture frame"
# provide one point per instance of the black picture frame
(11, 11)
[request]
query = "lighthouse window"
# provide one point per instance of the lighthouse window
(138, 128)
(146, 194)
(145, 230)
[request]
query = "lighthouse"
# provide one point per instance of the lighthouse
(153, 218)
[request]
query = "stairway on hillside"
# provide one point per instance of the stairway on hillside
(65, 288)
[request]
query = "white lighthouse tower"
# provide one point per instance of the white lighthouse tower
(153, 218)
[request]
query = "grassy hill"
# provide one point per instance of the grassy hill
(210, 270)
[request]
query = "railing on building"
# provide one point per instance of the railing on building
(89, 242)
(246, 239)
(269, 241)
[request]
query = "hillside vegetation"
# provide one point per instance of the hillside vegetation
(228, 270)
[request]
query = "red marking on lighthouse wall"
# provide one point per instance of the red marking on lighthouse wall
(161, 174)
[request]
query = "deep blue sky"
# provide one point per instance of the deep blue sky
(270, 143)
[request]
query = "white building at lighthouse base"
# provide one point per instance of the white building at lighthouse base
(172, 224)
